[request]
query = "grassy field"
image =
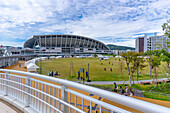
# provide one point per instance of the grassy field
(96, 70)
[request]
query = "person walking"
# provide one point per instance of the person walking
(116, 88)
(56, 73)
(52, 73)
(78, 75)
(49, 73)
(87, 74)
(126, 91)
(121, 90)
(131, 93)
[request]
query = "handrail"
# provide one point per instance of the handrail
(34, 97)
(124, 100)
(116, 109)
(65, 103)
(56, 86)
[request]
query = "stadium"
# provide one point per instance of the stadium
(65, 44)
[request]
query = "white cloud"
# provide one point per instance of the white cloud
(29, 11)
(130, 43)
(95, 19)
(9, 43)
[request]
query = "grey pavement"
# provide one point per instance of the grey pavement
(7, 108)
(119, 82)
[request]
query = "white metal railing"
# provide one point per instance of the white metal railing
(36, 91)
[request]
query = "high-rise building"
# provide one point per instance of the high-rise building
(152, 43)
(141, 44)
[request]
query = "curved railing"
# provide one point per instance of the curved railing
(47, 94)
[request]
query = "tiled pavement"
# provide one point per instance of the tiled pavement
(8, 108)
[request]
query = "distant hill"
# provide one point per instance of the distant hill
(115, 47)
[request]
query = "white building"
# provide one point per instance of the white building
(152, 43)
(141, 44)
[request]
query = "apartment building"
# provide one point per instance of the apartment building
(152, 43)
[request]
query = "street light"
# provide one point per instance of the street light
(40, 66)
(88, 74)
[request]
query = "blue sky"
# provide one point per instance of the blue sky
(110, 21)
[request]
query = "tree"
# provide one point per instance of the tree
(114, 55)
(128, 57)
(139, 62)
(121, 63)
(166, 28)
(150, 57)
(95, 55)
(156, 61)
(165, 56)
(133, 60)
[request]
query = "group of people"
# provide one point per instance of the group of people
(109, 63)
(53, 74)
(80, 77)
(125, 91)
(112, 63)
(105, 68)
(110, 69)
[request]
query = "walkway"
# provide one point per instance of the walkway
(119, 82)
(8, 108)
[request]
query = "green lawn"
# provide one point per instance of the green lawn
(97, 72)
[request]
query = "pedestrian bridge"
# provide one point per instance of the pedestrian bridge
(37, 93)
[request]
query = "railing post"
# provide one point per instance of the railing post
(6, 83)
(28, 83)
(64, 98)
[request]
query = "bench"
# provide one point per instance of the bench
(145, 82)
(167, 81)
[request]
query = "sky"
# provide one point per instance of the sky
(117, 22)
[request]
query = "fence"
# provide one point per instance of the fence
(46, 94)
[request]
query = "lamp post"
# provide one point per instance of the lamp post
(40, 66)
(88, 74)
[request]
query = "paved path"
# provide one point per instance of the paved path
(119, 82)
(8, 108)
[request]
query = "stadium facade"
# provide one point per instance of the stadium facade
(65, 44)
